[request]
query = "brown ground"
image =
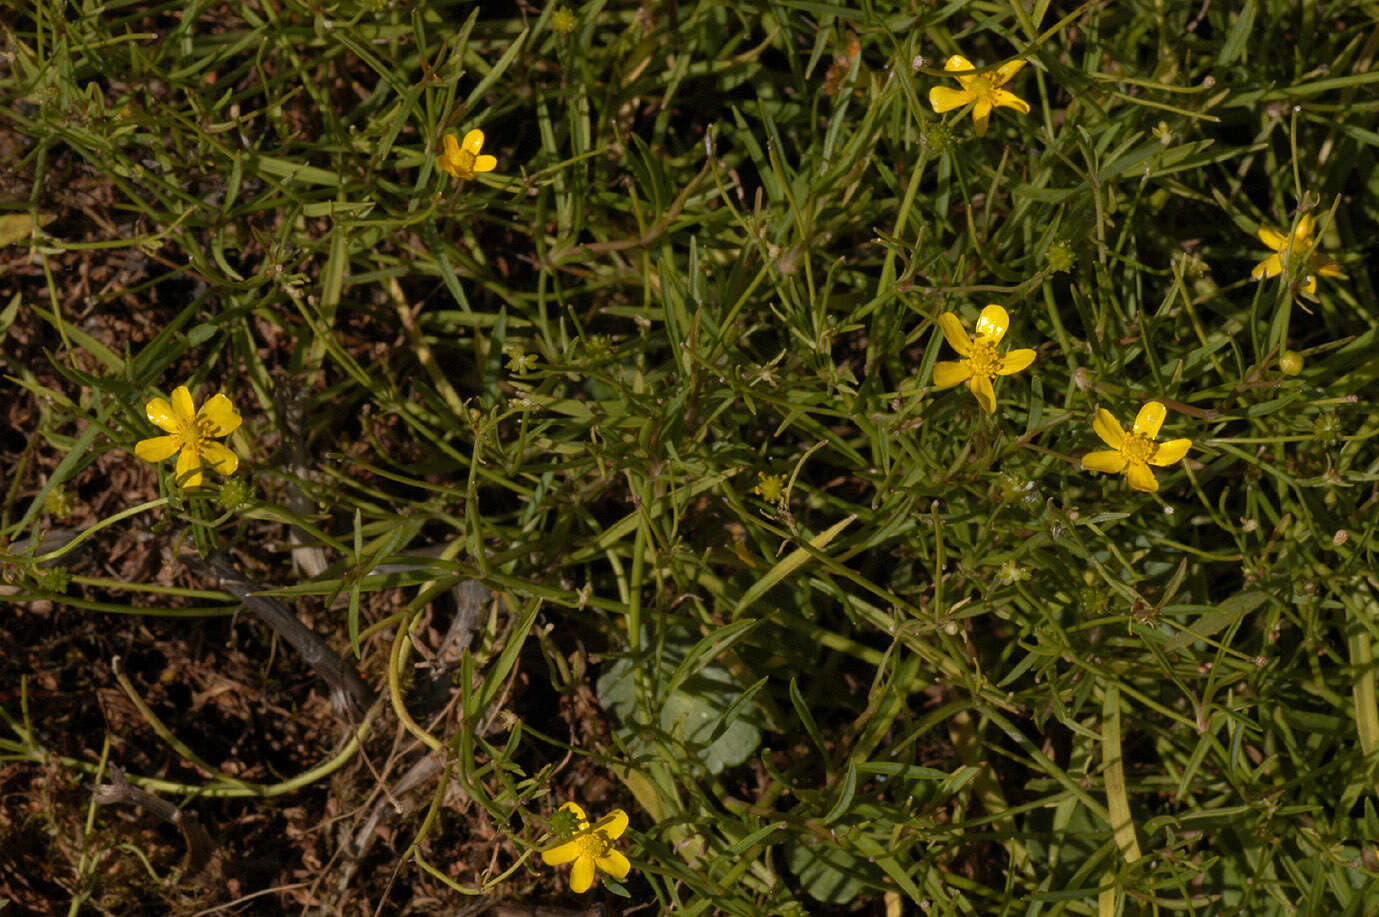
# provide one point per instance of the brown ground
(220, 682)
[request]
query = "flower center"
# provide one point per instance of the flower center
(1296, 248)
(1138, 449)
(194, 434)
(980, 86)
(984, 358)
(593, 844)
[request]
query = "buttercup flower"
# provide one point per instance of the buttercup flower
(588, 846)
(983, 88)
(191, 433)
(981, 362)
(1299, 248)
(769, 486)
(563, 21)
(462, 160)
(1132, 453)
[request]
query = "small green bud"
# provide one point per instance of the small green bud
(563, 21)
(1061, 257)
(938, 137)
(564, 824)
(55, 579)
(1327, 429)
(234, 493)
(59, 502)
(1015, 488)
(1095, 599)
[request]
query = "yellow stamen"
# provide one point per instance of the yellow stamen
(1138, 449)
(984, 358)
(594, 844)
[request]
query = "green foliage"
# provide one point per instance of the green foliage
(946, 663)
(702, 714)
(825, 872)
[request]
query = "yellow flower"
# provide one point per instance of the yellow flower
(462, 160)
(1131, 454)
(769, 486)
(519, 361)
(590, 846)
(981, 362)
(563, 21)
(1297, 249)
(191, 433)
(982, 88)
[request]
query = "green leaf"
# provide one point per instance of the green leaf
(1234, 46)
(1226, 614)
(15, 227)
(706, 716)
(825, 872)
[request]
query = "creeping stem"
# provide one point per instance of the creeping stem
(346, 687)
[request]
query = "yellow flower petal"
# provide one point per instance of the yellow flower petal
(981, 114)
(1326, 267)
(1271, 266)
(1140, 477)
(1309, 284)
(449, 160)
(161, 415)
(1272, 238)
(986, 395)
(1170, 452)
(182, 406)
(993, 323)
(948, 373)
(157, 449)
(1015, 361)
(559, 856)
(485, 163)
(220, 458)
(1109, 461)
(615, 864)
(1006, 71)
(1108, 428)
(220, 413)
(958, 62)
(1150, 419)
(189, 469)
(582, 876)
(945, 98)
(1302, 233)
(956, 335)
(613, 824)
(1006, 99)
(473, 141)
